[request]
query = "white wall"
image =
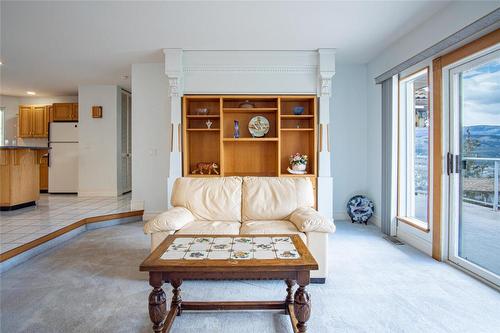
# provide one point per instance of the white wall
(11, 104)
(150, 137)
(98, 140)
(348, 135)
(450, 20)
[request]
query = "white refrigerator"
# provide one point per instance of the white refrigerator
(63, 157)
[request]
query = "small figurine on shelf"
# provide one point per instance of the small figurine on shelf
(206, 167)
(209, 123)
(298, 162)
(236, 129)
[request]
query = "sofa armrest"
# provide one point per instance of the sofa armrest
(307, 219)
(171, 220)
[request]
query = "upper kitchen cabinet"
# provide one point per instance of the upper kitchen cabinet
(25, 120)
(33, 121)
(39, 119)
(65, 112)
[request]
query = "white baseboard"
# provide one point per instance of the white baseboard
(415, 241)
(149, 215)
(136, 204)
(97, 193)
(375, 219)
(340, 216)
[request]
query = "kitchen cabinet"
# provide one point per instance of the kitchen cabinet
(44, 170)
(65, 112)
(33, 121)
(24, 122)
(38, 120)
(19, 175)
(48, 117)
(74, 111)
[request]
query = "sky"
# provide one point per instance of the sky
(481, 91)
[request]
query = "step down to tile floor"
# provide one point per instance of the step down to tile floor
(26, 251)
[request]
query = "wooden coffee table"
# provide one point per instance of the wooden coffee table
(229, 257)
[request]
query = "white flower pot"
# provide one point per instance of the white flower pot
(299, 167)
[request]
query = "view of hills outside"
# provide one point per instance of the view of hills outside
(479, 227)
(481, 127)
(480, 131)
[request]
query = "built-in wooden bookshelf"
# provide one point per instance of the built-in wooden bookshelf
(246, 155)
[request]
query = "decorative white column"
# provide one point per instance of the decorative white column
(326, 72)
(174, 71)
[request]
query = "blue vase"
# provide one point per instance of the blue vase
(298, 110)
(236, 129)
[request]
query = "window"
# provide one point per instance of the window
(2, 126)
(414, 134)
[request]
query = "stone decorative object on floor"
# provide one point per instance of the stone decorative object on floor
(360, 209)
(238, 248)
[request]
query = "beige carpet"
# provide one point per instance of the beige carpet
(92, 284)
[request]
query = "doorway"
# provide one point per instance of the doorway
(473, 163)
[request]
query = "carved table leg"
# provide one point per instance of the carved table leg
(176, 297)
(302, 307)
(289, 289)
(157, 302)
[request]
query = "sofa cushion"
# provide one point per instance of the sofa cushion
(209, 199)
(274, 198)
(171, 220)
(307, 219)
(211, 228)
(271, 227)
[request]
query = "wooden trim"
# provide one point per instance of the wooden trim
(233, 305)
(327, 137)
(429, 166)
(404, 78)
(278, 134)
(467, 50)
(171, 137)
(221, 136)
(179, 141)
(437, 155)
(414, 223)
(89, 220)
(320, 138)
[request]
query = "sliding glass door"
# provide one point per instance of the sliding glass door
(473, 164)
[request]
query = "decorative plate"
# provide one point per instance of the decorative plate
(258, 126)
(360, 209)
(297, 172)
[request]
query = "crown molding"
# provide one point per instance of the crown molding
(255, 69)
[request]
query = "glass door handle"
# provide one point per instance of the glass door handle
(457, 164)
(449, 163)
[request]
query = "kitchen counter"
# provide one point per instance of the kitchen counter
(19, 176)
(25, 147)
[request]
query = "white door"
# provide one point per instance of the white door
(126, 142)
(474, 162)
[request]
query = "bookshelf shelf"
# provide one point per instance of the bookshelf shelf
(246, 155)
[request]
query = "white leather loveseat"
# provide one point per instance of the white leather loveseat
(246, 205)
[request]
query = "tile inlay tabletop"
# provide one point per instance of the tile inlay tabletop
(228, 257)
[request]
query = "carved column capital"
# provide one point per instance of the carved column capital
(174, 86)
(325, 85)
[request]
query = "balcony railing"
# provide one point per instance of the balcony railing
(480, 185)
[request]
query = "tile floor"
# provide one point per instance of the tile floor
(51, 213)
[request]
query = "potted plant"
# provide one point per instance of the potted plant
(298, 162)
